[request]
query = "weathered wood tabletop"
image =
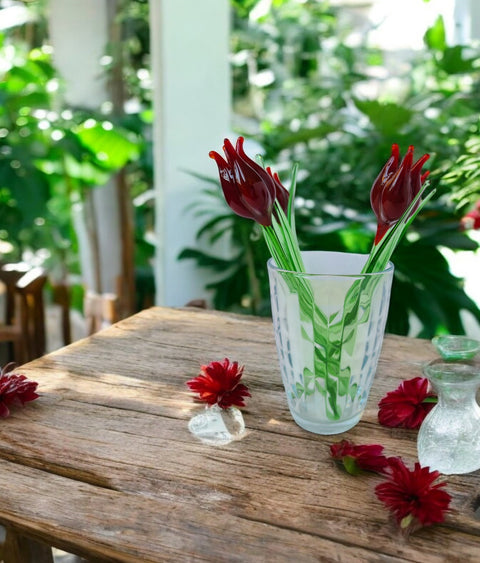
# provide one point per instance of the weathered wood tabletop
(103, 464)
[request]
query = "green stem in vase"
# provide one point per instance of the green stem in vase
(255, 192)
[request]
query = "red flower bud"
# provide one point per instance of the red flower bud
(249, 190)
(395, 188)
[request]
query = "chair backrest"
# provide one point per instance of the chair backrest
(24, 323)
(32, 310)
(9, 276)
(100, 310)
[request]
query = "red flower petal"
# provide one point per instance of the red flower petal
(249, 189)
(357, 458)
(15, 390)
(219, 383)
(406, 407)
(395, 188)
(281, 192)
(412, 497)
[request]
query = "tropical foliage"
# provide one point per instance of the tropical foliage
(302, 92)
(52, 154)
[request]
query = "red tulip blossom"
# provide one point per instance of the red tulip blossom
(281, 192)
(356, 459)
(15, 390)
(472, 219)
(408, 405)
(219, 383)
(395, 188)
(249, 189)
(411, 496)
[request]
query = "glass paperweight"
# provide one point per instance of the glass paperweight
(449, 438)
(217, 426)
(454, 348)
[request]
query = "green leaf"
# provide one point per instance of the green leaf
(387, 117)
(453, 62)
(244, 7)
(206, 260)
(86, 172)
(351, 465)
(435, 37)
(112, 147)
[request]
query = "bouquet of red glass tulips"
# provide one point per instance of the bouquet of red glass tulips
(340, 339)
(256, 193)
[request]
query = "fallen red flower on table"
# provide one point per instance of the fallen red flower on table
(408, 405)
(219, 383)
(15, 389)
(356, 459)
(411, 496)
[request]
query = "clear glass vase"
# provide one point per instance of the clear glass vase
(449, 438)
(454, 347)
(329, 325)
(217, 426)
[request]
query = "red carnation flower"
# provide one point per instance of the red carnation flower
(219, 383)
(357, 458)
(408, 405)
(411, 496)
(15, 390)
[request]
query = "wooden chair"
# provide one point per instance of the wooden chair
(9, 276)
(61, 296)
(100, 310)
(15, 548)
(11, 334)
(24, 325)
(32, 311)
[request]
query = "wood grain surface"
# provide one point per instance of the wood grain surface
(103, 464)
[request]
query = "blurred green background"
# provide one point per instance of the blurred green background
(302, 91)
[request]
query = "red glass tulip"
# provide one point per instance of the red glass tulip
(249, 190)
(280, 192)
(395, 188)
(472, 219)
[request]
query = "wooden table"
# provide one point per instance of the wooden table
(103, 464)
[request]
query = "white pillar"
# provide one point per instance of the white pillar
(190, 67)
(79, 34)
(463, 25)
(474, 19)
(461, 20)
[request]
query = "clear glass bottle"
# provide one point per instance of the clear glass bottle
(217, 426)
(456, 348)
(449, 438)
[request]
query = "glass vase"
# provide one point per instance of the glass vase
(454, 347)
(449, 438)
(329, 325)
(217, 426)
